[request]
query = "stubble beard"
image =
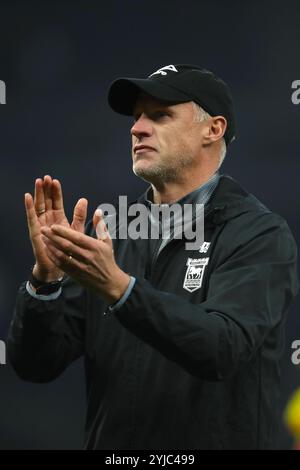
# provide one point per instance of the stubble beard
(167, 171)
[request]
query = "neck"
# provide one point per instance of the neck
(170, 192)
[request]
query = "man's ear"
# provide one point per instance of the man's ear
(215, 129)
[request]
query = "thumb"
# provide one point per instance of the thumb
(79, 215)
(100, 226)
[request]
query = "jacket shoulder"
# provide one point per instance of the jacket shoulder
(246, 218)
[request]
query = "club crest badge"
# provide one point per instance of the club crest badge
(194, 273)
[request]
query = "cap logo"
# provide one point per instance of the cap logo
(163, 70)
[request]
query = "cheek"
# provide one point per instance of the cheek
(181, 144)
(193, 139)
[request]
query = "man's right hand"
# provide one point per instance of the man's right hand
(46, 209)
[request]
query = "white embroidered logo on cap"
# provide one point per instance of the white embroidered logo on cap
(162, 71)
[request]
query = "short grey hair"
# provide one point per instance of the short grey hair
(201, 115)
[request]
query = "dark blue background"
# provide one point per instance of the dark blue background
(57, 59)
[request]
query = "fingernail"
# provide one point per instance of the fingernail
(99, 212)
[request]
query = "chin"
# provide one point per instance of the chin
(143, 166)
(146, 172)
(155, 175)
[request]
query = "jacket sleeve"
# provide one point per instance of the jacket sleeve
(46, 336)
(248, 294)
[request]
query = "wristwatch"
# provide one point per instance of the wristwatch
(44, 288)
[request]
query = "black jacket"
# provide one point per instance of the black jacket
(174, 369)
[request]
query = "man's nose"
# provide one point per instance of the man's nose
(142, 127)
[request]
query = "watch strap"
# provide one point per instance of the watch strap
(44, 288)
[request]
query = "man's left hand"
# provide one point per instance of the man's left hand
(87, 260)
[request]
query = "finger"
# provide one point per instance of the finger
(56, 256)
(65, 247)
(39, 197)
(100, 226)
(79, 239)
(47, 186)
(65, 262)
(32, 218)
(79, 215)
(57, 196)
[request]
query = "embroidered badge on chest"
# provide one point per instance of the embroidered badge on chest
(194, 273)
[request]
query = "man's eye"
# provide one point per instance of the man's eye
(154, 115)
(160, 114)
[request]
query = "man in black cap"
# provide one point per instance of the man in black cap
(182, 345)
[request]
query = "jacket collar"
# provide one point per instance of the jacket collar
(230, 200)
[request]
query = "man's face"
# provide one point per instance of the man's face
(165, 139)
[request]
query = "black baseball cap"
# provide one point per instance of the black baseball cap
(176, 84)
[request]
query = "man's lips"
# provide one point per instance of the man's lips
(137, 149)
